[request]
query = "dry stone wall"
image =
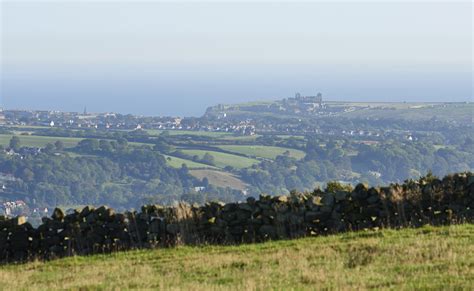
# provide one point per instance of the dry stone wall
(101, 230)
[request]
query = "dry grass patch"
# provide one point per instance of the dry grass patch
(220, 179)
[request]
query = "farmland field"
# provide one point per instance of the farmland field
(39, 141)
(219, 178)
(248, 138)
(417, 112)
(176, 162)
(425, 258)
(189, 132)
(223, 159)
(268, 152)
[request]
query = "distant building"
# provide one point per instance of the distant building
(308, 99)
(2, 117)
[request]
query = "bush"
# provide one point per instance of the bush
(335, 186)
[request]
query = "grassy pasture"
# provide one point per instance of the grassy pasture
(189, 132)
(176, 162)
(219, 178)
(39, 141)
(234, 138)
(223, 159)
(291, 136)
(396, 105)
(268, 152)
(28, 126)
(417, 112)
(426, 258)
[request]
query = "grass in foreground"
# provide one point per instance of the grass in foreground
(429, 257)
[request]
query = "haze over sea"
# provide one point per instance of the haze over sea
(141, 58)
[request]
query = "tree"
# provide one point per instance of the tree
(183, 171)
(88, 145)
(49, 148)
(28, 175)
(59, 145)
(208, 159)
(105, 146)
(15, 143)
(205, 182)
(122, 143)
(162, 146)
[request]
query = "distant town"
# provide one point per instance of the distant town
(241, 119)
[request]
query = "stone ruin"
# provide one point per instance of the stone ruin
(428, 200)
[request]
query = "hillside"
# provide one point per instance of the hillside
(232, 152)
(219, 178)
(424, 258)
(290, 108)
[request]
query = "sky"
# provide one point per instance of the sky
(177, 58)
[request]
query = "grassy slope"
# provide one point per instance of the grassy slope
(459, 112)
(69, 142)
(415, 111)
(220, 179)
(176, 162)
(429, 257)
(268, 152)
(224, 159)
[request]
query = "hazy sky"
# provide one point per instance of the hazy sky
(158, 58)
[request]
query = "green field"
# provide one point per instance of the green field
(426, 258)
(189, 132)
(268, 152)
(28, 126)
(460, 112)
(176, 162)
(396, 105)
(39, 141)
(223, 159)
(291, 136)
(248, 138)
